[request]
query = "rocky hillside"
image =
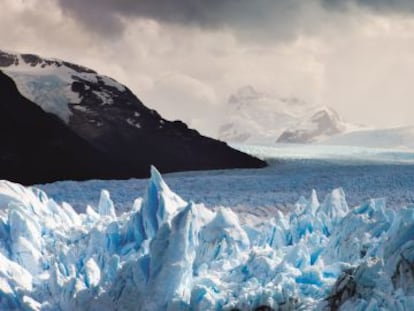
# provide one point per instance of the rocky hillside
(59, 121)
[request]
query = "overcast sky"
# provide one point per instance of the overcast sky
(185, 57)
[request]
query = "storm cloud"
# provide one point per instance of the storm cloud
(211, 13)
(272, 19)
(185, 58)
(282, 18)
(385, 6)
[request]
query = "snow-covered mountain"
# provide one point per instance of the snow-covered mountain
(321, 123)
(167, 254)
(257, 118)
(390, 138)
(59, 120)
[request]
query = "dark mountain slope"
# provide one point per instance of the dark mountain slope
(37, 147)
(107, 132)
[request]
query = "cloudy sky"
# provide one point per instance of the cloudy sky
(185, 57)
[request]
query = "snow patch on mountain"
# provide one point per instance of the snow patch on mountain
(167, 254)
(51, 92)
(49, 82)
(133, 122)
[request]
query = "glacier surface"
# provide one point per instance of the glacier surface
(169, 254)
(293, 171)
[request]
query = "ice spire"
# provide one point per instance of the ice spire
(160, 204)
(106, 206)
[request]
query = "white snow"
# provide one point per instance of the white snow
(320, 123)
(80, 108)
(253, 117)
(168, 254)
(51, 91)
(105, 98)
(50, 85)
(133, 122)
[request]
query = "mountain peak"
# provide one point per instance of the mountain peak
(321, 122)
(258, 118)
(90, 126)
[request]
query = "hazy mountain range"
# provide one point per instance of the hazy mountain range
(254, 117)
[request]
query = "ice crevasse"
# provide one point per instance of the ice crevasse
(168, 254)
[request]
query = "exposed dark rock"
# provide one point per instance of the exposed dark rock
(78, 68)
(403, 276)
(7, 59)
(263, 308)
(31, 59)
(259, 308)
(110, 135)
(290, 305)
(370, 281)
(344, 289)
(38, 147)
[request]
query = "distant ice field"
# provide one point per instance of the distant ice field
(293, 171)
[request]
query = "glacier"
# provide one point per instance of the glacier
(168, 254)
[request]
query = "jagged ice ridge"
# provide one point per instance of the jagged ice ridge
(167, 254)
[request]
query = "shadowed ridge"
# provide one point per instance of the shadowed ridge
(62, 121)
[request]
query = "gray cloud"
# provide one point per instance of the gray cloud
(353, 55)
(385, 6)
(200, 12)
(270, 18)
